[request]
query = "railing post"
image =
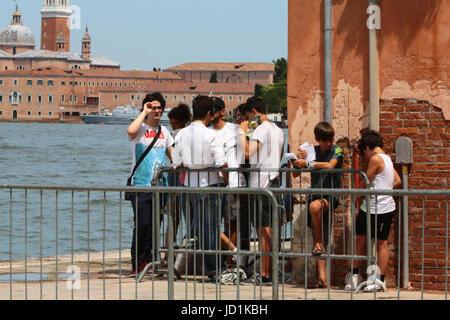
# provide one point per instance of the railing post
(406, 283)
(275, 247)
(170, 262)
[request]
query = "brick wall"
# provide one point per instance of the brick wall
(430, 133)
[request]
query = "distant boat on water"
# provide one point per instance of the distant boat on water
(120, 115)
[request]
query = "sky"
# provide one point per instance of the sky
(142, 34)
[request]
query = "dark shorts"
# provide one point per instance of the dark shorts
(236, 214)
(326, 215)
(384, 222)
(234, 204)
(261, 207)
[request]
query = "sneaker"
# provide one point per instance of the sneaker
(259, 280)
(378, 285)
(230, 276)
(284, 276)
(352, 281)
(211, 277)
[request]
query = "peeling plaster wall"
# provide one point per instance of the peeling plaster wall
(414, 61)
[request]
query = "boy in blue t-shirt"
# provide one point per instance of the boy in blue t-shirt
(321, 207)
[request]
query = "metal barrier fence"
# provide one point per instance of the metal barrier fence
(45, 249)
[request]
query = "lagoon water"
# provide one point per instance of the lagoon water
(62, 154)
(34, 224)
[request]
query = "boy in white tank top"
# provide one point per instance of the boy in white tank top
(381, 173)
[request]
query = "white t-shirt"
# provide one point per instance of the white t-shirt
(385, 180)
(175, 132)
(155, 158)
(271, 142)
(229, 137)
(198, 147)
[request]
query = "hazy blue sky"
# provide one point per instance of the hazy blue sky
(144, 34)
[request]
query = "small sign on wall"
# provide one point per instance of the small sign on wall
(404, 150)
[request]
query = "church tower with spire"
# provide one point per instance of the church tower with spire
(86, 46)
(55, 25)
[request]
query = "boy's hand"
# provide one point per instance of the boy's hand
(301, 163)
(243, 126)
(147, 108)
(301, 154)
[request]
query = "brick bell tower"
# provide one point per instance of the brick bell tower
(55, 25)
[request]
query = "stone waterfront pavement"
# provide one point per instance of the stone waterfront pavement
(106, 276)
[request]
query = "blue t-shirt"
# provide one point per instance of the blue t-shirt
(155, 158)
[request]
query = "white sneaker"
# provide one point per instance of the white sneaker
(352, 281)
(378, 285)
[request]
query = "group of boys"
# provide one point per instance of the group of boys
(210, 148)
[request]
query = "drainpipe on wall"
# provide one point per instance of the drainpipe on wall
(374, 23)
(328, 9)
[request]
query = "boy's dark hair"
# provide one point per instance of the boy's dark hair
(155, 96)
(324, 131)
(371, 139)
(218, 104)
(201, 105)
(256, 103)
(181, 112)
(240, 108)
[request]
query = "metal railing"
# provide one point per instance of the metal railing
(61, 236)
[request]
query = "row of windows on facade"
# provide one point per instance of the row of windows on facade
(30, 113)
(22, 67)
(51, 83)
(15, 98)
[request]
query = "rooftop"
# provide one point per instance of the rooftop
(102, 61)
(53, 71)
(190, 66)
(46, 54)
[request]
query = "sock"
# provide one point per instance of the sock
(355, 271)
(382, 277)
(234, 256)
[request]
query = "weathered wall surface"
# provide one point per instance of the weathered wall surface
(414, 64)
(414, 61)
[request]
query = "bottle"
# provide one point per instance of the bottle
(254, 123)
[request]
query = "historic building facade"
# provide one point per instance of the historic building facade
(249, 73)
(54, 83)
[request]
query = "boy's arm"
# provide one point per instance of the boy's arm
(301, 163)
(243, 127)
(135, 126)
(375, 165)
(397, 180)
(169, 152)
(225, 174)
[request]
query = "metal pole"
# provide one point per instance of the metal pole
(275, 245)
(406, 283)
(170, 262)
(328, 9)
(374, 76)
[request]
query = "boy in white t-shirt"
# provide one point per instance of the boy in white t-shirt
(381, 173)
(141, 132)
(229, 136)
(199, 147)
(265, 151)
